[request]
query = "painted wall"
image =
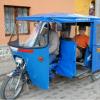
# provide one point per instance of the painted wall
(36, 6)
(42, 6)
(82, 6)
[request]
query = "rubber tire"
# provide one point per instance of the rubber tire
(3, 86)
(93, 78)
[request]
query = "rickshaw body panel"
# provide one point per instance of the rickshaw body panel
(96, 47)
(87, 59)
(67, 60)
(37, 65)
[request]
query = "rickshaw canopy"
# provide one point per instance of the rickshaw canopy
(59, 18)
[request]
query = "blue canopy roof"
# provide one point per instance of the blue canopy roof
(59, 17)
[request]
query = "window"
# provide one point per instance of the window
(40, 38)
(10, 20)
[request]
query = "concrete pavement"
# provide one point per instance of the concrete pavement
(65, 89)
(6, 60)
(61, 88)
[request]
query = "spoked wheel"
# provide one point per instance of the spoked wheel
(11, 87)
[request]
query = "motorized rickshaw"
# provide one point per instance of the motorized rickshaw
(32, 56)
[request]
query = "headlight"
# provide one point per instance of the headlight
(19, 60)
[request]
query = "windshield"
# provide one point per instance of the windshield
(37, 38)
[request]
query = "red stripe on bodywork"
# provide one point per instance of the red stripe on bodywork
(25, 50)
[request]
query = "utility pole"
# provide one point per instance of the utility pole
(97, 8)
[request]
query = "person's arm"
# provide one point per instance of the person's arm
(87, 41)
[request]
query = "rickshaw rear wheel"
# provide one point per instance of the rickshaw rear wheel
(95, 76)
(92, 78)
(9, 82)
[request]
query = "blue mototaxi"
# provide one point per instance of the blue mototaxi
(36, 59)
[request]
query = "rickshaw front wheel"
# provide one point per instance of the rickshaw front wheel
(11, 87)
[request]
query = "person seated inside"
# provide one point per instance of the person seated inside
(82, 41)
(53, 43)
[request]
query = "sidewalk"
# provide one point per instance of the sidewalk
(61, 89)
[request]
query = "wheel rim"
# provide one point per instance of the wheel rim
(13, 87)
